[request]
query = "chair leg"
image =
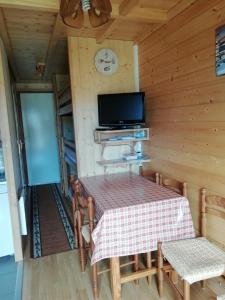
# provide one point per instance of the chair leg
(82, 250)
(186, 290)
(95, 281)
(149, 265)
(75, 220)
(160, 270)
(76, 231)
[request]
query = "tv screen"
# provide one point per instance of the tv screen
(121, 109)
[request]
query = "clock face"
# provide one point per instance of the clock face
(106, 61)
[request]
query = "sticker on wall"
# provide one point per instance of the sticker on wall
(220, 51)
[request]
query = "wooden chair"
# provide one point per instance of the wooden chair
(180, 188)
(194, 259)
(149, 174)
(85, 222)
(78, 201)
(174, 185)
(81, 221)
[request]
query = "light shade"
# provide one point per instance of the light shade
(72, 12)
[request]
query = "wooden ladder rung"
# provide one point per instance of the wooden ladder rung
(104, 271)
(137, 275)
(127, 264)
(121, 266)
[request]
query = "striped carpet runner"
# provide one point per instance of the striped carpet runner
(51, 230)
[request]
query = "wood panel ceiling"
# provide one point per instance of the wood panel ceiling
(33, 32)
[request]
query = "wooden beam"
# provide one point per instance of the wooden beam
(52, 43)
(132, 12)
(7, 43)
(42, 5)
(141, 14)
(107, 31)
(34, 87)
(126, 6)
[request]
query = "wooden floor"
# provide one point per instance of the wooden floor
(58, 277)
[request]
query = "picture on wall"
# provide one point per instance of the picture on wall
(220, 51)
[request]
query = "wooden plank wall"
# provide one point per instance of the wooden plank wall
(86, 84)
(186, 101)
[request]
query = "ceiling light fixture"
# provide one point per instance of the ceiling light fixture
(40, 67)
(86, 5)
(73, 12)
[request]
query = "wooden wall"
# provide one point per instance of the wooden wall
(186, 101)
(86, 84)
(10, 149)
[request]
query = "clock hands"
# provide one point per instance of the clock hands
(107, 61)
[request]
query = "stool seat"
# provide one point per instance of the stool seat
(195, 259)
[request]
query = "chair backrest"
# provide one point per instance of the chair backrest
(149, 174)
(81, 201)
(83, 209)
(211, 205)
(74, 186)
(174, 185)
(79, 198)
(79, 204)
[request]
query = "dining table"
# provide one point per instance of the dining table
(134, 214)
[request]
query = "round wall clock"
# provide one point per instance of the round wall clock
(106, 61)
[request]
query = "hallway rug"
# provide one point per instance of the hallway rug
(51, 230)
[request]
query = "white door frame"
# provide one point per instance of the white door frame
(5, 99)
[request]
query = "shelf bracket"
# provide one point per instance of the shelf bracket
(102, 151)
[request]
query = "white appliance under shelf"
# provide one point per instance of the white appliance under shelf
(6, 237)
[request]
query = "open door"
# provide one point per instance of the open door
(40, 135)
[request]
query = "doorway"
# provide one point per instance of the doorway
(40, 138)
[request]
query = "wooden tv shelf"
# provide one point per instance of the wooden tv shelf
(118, 138)
(120, 162)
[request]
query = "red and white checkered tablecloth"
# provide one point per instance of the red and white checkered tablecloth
(134, 214)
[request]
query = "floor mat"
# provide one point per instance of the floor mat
(51, 230)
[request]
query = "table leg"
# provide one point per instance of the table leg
(149, 265)
(115, 278)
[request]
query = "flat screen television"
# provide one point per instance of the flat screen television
(121, 110)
